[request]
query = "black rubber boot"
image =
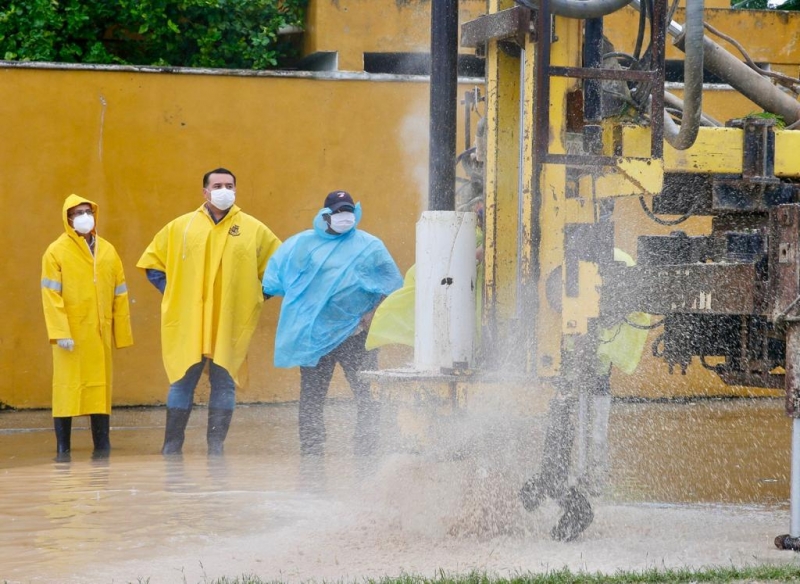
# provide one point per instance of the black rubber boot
(63, 428)
(577, 516)
(175, 431)
(218, 423)
(101, 426)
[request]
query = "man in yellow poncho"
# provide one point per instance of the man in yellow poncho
(85, 302)
(208, 264)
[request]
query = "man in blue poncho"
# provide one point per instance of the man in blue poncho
(332, 278)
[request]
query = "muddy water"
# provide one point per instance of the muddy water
(689, 485)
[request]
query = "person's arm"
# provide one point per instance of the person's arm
(154, 259)
(55, 313)
(272, 282)
(157, 278)
(267, 247)
(121, 318)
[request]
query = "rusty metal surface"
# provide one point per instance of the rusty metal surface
(659, 34)
(784, 273)
(793, 370)
(610, 74)
(686, 289)
(581, 160)
(772, 381)
(512, 23)
(785, 278)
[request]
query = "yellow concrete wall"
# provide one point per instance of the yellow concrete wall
(771, 36)
(138, 144)
(355, 27)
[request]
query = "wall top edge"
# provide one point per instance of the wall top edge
(313, 75)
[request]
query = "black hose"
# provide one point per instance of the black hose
(659, 220)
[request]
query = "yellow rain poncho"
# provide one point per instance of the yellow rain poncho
(393, 322)
(622, 345)
(213, 297)
(85, 298)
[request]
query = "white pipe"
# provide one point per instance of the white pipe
(444, 334)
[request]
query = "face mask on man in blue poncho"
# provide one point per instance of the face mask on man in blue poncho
(342, 222)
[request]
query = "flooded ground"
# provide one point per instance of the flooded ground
(690, 485)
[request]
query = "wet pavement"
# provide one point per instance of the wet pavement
(689, 485)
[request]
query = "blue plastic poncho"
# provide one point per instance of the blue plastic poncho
(328, 282)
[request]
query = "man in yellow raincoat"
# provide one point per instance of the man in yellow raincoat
(85, 302)
(208, 264)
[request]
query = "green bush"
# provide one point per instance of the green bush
(234, 34)
(765, 5)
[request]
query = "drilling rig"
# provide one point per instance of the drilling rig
(575, 123)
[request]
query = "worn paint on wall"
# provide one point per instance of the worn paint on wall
(138, 143)
(355, 27)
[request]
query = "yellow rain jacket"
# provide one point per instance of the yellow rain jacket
(213, 296)
(622, 345)
(85, 298)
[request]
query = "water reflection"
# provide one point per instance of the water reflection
(140, 514)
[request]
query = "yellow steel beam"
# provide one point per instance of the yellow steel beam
(579, 309)
(630, 176)
(787, 145)
(527, 253)
(565, 51)
(502, 181)
(716, 151)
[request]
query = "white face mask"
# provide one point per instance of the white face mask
(342, 222)
(223, 199)
(83, 224)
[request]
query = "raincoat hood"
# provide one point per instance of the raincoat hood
(73, 201)
(321, 226)
(85, 298)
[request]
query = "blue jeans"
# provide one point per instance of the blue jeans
(223, 389)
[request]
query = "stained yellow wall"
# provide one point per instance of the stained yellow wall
(355, 27)
(138, 144)
(771, 36)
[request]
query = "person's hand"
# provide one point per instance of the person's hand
(67, 344)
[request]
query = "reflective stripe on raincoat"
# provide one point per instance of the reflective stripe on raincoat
(213, 299)
(85, 298)
(328, 282)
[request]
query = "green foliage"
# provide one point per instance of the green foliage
(773, 574)
(780, 123)
(234, 34)
(765, 5)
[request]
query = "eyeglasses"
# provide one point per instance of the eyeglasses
(80, 212)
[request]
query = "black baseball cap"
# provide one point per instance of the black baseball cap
(338, 200)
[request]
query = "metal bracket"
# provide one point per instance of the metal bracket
(512, 24)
